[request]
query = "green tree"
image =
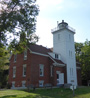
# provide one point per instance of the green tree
(17, 17)
(78, 47)
(4, 57)
(85, 59)
(4, 65)
(17, 26)
(83, 56)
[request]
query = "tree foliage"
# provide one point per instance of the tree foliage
(4, 57)
(83, 56)
(18, 17)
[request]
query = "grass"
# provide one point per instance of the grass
(46, 93)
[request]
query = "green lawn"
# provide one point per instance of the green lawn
(46, 93)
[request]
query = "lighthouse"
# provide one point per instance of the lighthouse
(63, 44)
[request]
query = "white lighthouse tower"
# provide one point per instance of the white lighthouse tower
(63, 43)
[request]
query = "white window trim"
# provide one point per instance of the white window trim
(14, 73)
(23, 70)
(25, 55)
(41, 65)
(42, 82)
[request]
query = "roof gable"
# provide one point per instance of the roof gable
(39, 49)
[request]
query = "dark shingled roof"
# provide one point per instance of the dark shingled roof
(39, 49)
(42, 50)
(59, 61)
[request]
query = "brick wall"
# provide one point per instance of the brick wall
(32, 73)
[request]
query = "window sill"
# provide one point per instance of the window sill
(24, 76)
(41, 76)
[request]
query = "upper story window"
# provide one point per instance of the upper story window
(25, 55)
(41, 69)
(69, 36)
(70, 53)
(14, 71)
(15, 57)
(58, 36)
(24, 70)
(56, 56)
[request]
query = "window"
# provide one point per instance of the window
(70, 53)
(58, 36)
(13, 84)
(71, 71)
(51, 71)
(41, 69)
(15, 57)
(56, 56)
(69, 37)
(25, 55)
(24, 70)
(41, 82)
(14, 71)
(23, 83)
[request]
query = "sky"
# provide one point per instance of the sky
(75, 12)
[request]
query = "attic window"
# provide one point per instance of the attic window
(56, 56)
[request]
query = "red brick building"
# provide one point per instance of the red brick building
(35, 66)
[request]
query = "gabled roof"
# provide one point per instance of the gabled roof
(39, 49)
(43, 50)
(59, 61)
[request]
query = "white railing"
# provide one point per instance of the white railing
(57, 28)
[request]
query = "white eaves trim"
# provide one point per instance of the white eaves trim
(40, 54)
(51, 58)
(58, 64)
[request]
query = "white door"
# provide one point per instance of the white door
(60, 78)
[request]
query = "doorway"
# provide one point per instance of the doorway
(60, 78)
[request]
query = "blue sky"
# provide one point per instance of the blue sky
(75, 12)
